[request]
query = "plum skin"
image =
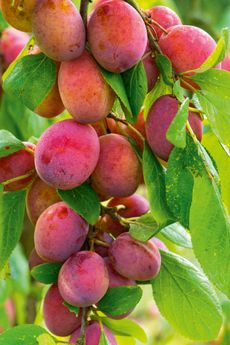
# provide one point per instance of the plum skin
(51, 36)
(118, 171)
(59, 233)
(83, 279)
(93, 334)
(17, 164)
(133, 259)
(58, 319)
(38, 198)
(158, 121)
(117, 35)
(84, 92)
(67, 154)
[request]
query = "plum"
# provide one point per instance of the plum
(93, 334)
(83, 279)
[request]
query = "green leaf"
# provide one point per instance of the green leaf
(165, 67)
(160, 89)
(216, 108)
(12, 209)
(84, 201)
(178, 91)
(178, 235)
(176, 133)
(45, 339)
(19, 271)
(103, 339)
(210, 230)
(9, 143)
(31, 79)
(46, 273)
(72, 308)
(120, 300)
(143, 228)
(116, 82)
(216, 56)
(135, 82)
(22, 335)
(155, 183)
(125, 327)
(186, 299)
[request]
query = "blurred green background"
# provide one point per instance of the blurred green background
(20, 297)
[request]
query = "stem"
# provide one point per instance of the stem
(190, 87)
(190, 130)
(27, 149)
(83, 10)
(18, 178)
(112, 212)
(101, 243)
(152, 40)
(81, 339)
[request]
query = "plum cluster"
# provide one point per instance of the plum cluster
(92, 146)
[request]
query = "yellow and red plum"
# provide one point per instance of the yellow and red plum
(117, 35)
(83, 279)
(84, 92)
(59, 233)
(38, 198)
(58, 29)
(67, 154)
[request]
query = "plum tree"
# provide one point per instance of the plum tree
(180, 43)
(18, 13)
(67, 154)
(158, 121)
(93, 334)
(83, 279)
(118, 171)
(83, 90)
(132, 206)
(51, 37)
(164, 16)
(38, 198)
(117, 35)
(58, 319)
(59, 233)
(15, 165)
(133, 259)
(11, 44)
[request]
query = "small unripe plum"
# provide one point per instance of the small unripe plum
(34, 259)
(117, 35)
(158, 121)
(18, 13)
(58, 319)
(39, 197)
(84, 92)
(11, 44)
(225, 65)
(163, 16)
(187, 47)
(17, 164)
(132, 206)
(106, 238)
(59, 233)
(115, 279)
(67, 154)
(159, 243)
(83, 279)
(93, 334)
(118, 171)
(58, 29)
(133, 259)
